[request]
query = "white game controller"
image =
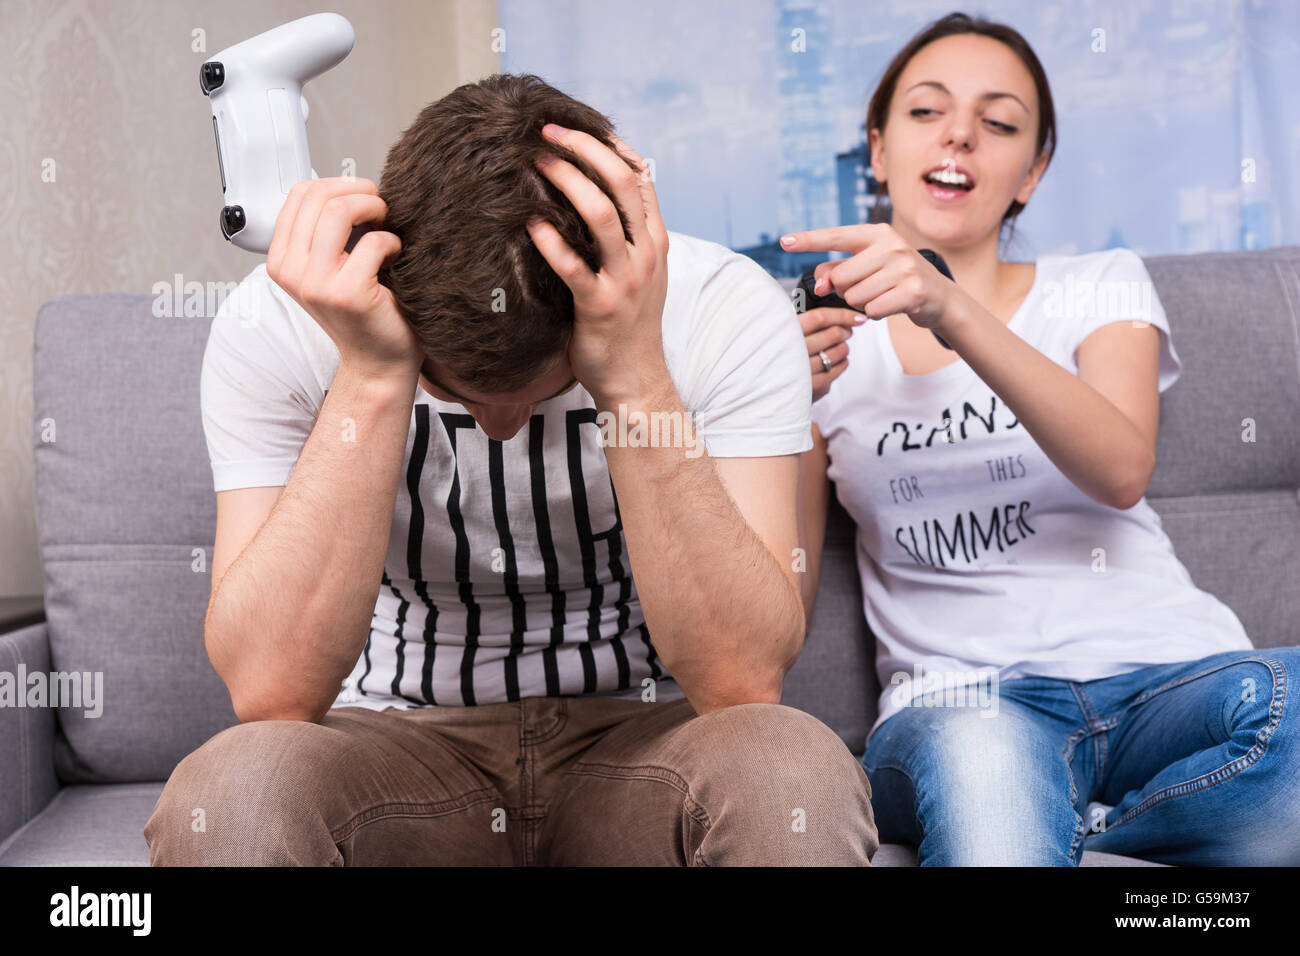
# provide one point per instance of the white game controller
(259, 116)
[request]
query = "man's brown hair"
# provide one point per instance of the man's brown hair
(460, 187)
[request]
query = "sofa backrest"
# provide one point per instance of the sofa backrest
(125, 510)
(1231, 507)
(125, 516)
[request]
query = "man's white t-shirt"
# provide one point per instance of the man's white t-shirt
(977, 556)
(506, 574)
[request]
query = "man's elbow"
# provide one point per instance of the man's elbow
(751, 689)
(796, 631)
(257, 699)
(788, 649)
(756, 681)
(251, 707)
(804, 616)
(760, 685)
(254, 694)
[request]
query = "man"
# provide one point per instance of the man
(468, 612)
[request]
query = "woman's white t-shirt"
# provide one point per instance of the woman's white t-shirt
(980, 561)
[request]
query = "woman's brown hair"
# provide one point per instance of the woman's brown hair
(955, 24)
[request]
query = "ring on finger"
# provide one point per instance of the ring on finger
(826, 362)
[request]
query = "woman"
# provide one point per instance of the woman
(1041, 647)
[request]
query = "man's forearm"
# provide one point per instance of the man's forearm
(292, 613)
(814, 498)
(723, 615)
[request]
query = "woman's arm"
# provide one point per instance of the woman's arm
(1097, 427)
(814, 494)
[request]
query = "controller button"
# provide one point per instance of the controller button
(232, 220)
(211, 77)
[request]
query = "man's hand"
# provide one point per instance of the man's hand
(617, 348)
(341, 291)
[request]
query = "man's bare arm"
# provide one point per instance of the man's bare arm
(713, 566)
(290, 615)
(712, 569)
(813, 501)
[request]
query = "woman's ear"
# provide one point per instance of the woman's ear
(1032, 179)
(877, 144)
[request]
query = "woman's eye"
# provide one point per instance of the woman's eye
(920, 111)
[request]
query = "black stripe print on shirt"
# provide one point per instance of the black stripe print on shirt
(451, 422)
(365, 654)
(414, 543)
(546, 545)
(651, 656)
(574, 420)
(624, 580)
(415, 550)
(399, 632)
(414, 538)
(518, 612)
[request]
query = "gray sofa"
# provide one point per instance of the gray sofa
(125, 513)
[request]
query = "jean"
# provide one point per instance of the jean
(1190, 763)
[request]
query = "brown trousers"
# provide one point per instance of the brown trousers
(546, 780)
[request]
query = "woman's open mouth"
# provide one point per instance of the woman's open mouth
(947, 183)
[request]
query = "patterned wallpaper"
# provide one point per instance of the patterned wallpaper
(110, 174)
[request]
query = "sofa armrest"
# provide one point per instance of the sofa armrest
(18, 612)
(27, 782)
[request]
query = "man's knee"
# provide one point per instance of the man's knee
(774, 741)
(781, 768)
(251, 794)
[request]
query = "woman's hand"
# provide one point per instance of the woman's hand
(883, 276)
(827, 330)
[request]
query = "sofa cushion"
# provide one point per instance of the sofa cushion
(104, 826)
(834, 676)
(1243, 548)
(1235, 322)
(87, 825)
(125, 518)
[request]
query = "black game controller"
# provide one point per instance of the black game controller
(833, 301)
